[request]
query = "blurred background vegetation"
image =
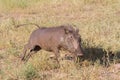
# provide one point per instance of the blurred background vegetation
(97, 20)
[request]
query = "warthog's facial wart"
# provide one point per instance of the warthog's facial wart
(61, 39)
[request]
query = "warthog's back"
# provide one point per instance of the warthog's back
(47, 38)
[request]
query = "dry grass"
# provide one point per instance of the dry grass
(99, 25)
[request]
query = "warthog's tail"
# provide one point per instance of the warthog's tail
(27, 24)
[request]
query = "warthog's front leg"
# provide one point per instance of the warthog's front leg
(57, 55)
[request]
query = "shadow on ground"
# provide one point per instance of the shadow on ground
(105, 58)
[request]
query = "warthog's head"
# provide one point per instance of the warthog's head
(73, 42)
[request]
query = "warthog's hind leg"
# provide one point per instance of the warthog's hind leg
(33, 51)
(26, 47)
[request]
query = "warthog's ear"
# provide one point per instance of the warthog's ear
(68, 29)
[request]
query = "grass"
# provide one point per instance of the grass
(97, 20)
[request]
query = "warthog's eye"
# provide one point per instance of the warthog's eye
(71, 38)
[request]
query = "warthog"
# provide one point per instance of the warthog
(53, 39)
